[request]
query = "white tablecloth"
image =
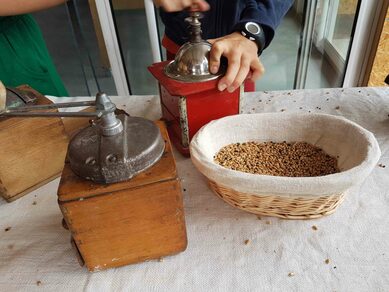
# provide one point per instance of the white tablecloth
(35, 254)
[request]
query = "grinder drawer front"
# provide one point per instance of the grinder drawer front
(128, 226)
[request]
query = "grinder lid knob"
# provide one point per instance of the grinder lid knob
(191, 63)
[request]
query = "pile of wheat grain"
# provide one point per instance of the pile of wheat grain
(297, 159)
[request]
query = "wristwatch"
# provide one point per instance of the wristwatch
(254, 32)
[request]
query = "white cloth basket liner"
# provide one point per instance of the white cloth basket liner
(356, 147)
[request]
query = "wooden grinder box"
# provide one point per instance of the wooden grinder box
(32, 151)
(128, 222)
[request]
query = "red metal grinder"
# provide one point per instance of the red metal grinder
(188, 91)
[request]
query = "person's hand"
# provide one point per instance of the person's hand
(243, 61)
(178, 5)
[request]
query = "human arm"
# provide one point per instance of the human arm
(267, 13)
(15, 7)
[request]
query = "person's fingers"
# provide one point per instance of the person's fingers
(232, 70)
(204, 6)
(214, 56)
(178, 5)
(249, 75)
(185, 3)
(241, 75)
(168, 6)
(257, 70)
(199, 5)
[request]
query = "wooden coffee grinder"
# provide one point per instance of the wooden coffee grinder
(119, 192)
(32, 151)
(188, 91)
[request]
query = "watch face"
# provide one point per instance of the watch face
(253, 28)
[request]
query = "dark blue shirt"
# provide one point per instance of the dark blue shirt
(227, 16)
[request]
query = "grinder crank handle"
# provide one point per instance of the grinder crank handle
(26, 111)
(51, 106)
(96, 114)
(103, 106)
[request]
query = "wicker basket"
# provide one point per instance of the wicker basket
(277, 206)
(286, 197)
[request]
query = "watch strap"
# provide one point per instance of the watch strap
(259, 39)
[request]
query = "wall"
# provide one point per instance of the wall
(347, 6)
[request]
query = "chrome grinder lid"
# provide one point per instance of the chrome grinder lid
(191, 63)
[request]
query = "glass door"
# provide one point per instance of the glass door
(133, 36)
(326, 41)
(280, 58)
(311, 48)
(73, 37)
(138, 21)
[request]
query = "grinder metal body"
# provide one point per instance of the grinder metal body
(113, 148)
(188, 91)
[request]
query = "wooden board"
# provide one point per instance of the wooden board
(380, 65)
(347, 7)
(34, 187)
(32, 152)
(129, 222)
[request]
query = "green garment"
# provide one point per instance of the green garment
(24, 58)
